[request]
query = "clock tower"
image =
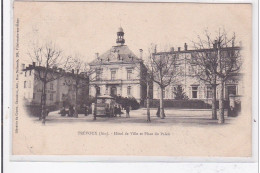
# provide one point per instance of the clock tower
(120, 37)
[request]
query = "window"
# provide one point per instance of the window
(209, 92)
(129, 90)
(25, 73)
(30, 72)
(194, 92)
(232, 90)
(51, 86)
(193, 69)
(98, 74)
(129, 74)
(51, 97)
(34, 95)
(24, 84)
(167, 93)
(173, 92)
(113, 75)
(98, 90)
(163, 93)
(181, 70)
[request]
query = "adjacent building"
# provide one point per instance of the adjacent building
(192, 86)
(59, 92)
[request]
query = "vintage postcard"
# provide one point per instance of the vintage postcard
(132, 79)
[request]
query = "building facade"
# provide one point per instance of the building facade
(191, 85)
(59, 92)
(118, 72)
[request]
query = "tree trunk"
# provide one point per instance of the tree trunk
(40, 116)
(148, 103)
(94, 110)
(221, 119)
(76, 103)
(161, 105)
(214, 100)
(44, 112)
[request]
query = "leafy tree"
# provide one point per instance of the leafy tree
(180, 94)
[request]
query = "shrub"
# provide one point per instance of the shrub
(130, 101)
(183, 104)
(192, 104)
(180, 94)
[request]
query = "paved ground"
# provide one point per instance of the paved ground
(173, 116)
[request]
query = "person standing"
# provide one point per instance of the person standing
(115, 110)
(63, 111)
(127, 111)
(71, 111)
(93, 108)
(158, 112)
(85, 109)
(119, 110)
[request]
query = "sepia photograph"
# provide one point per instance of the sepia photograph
(132, 79)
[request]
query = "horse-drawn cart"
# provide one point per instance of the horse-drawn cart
(104, 106)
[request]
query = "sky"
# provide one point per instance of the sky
(88, 27)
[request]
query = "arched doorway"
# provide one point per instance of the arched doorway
(113, 91)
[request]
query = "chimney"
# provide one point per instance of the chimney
(97, 55)
(215, 44)
(155, 49)
(233, 43)
(240, 44)
(33, 64)
(172, 49)
(179, 49)
(141, 53)
(185, 46)
(23, 66)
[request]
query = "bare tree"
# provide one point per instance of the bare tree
(217, 59)
(204, 58)
(48, 59)
(229, 62)
(80, 77)
(145, 72)
(163, 67)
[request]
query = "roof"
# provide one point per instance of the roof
(197, 50)
(117, 54)
(54, 71)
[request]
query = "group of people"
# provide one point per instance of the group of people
(70, 112)
(118, 110)
(86, 110)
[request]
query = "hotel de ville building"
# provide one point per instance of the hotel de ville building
(119, 72)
